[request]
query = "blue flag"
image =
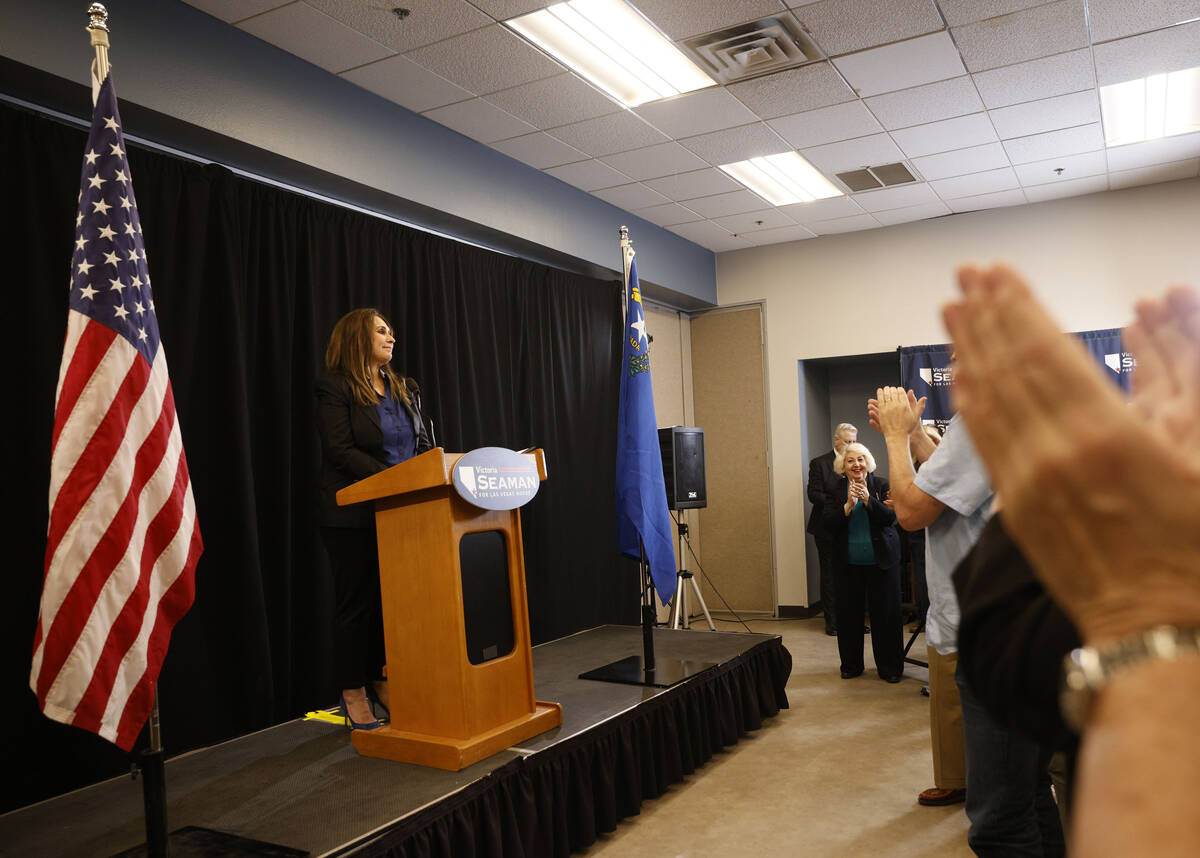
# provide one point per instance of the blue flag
(641, 490)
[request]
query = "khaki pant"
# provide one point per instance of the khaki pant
(946, 722)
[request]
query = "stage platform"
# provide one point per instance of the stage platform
(302, 785)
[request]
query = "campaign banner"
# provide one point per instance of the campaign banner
(1105, 347)
(926, 371)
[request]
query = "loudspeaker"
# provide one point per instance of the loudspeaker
(683, 466)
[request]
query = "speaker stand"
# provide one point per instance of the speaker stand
(679, 609)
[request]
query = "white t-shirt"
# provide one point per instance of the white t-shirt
(956, 476)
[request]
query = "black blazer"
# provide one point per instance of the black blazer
(351, 448)
(885, 539)
(820, 476)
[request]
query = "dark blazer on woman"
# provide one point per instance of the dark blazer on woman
(884, 537)
(351, 448)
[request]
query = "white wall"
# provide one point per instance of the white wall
(1088, 258)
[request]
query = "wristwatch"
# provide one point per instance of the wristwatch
(1087, 670)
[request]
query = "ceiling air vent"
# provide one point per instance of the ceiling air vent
(756, 48)
(871, 178)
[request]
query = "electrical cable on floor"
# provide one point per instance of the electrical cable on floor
(688, 540)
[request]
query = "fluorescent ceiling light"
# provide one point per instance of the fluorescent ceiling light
(614, 47)
(783, 179)
(1161, 105)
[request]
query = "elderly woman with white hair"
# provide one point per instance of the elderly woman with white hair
(866, 562)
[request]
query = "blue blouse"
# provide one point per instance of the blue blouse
(399, 440)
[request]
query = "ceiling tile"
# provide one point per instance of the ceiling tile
(957, 133)
(479, 120)
(899, 66)
(901, 196)
(1052, 144)
(1162, 151)
(1153, 53)
(1069, 188)
(590, 175)
(794, 90)
(930, 103)
(819, 210)
(428, 20)
(737, 144)
(699, 183)
(696, 113)
(844, 26)
(707, 234)
(1057, 75)
(1048, 114)
(630, 197)
(754, 221)
(720, 205)
(959, 12)
(651, 162)
(668, 215)
(1025, 35)
(311, 35)
(558, 100)
(486, 60)
(908, 214)
(1155, 174)
(502, 10)
(607, 135)
(1073, 167)
(232, 11)
(977, 183)
(540, 150)
(854, 154)
(996, 200)
(844, 224)
(1115, 19)
(826, 125)
(680, 19)
(401, 80)
(763, 237)
(976, 159)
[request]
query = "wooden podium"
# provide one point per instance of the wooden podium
(458, 692)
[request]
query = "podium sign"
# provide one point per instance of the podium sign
(455, 618)
(496, 478)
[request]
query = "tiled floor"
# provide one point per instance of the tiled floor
(836, 775)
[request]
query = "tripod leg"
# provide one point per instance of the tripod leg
(679, 603)
(703, 606)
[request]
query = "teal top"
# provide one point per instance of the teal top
(862, 552)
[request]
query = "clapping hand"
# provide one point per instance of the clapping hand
(1080, 470)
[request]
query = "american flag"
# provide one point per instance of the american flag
(123, 541)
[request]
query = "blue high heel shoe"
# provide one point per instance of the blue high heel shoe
(357, 725)
(374, 700)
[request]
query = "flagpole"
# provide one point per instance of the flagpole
(98, 29)
(648, 613)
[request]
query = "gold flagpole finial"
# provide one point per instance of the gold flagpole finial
(98, 28)
(97, 17)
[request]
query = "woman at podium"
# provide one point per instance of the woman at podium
(369, 418)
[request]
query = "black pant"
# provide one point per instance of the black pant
(881, 589)
(828, 583)
(358, 650)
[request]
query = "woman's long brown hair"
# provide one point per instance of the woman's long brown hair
(349, 354)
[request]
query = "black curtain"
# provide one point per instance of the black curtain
(248, 281)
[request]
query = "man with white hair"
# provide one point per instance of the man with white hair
(820, 474)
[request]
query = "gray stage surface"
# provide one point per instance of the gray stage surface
(301, 784)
